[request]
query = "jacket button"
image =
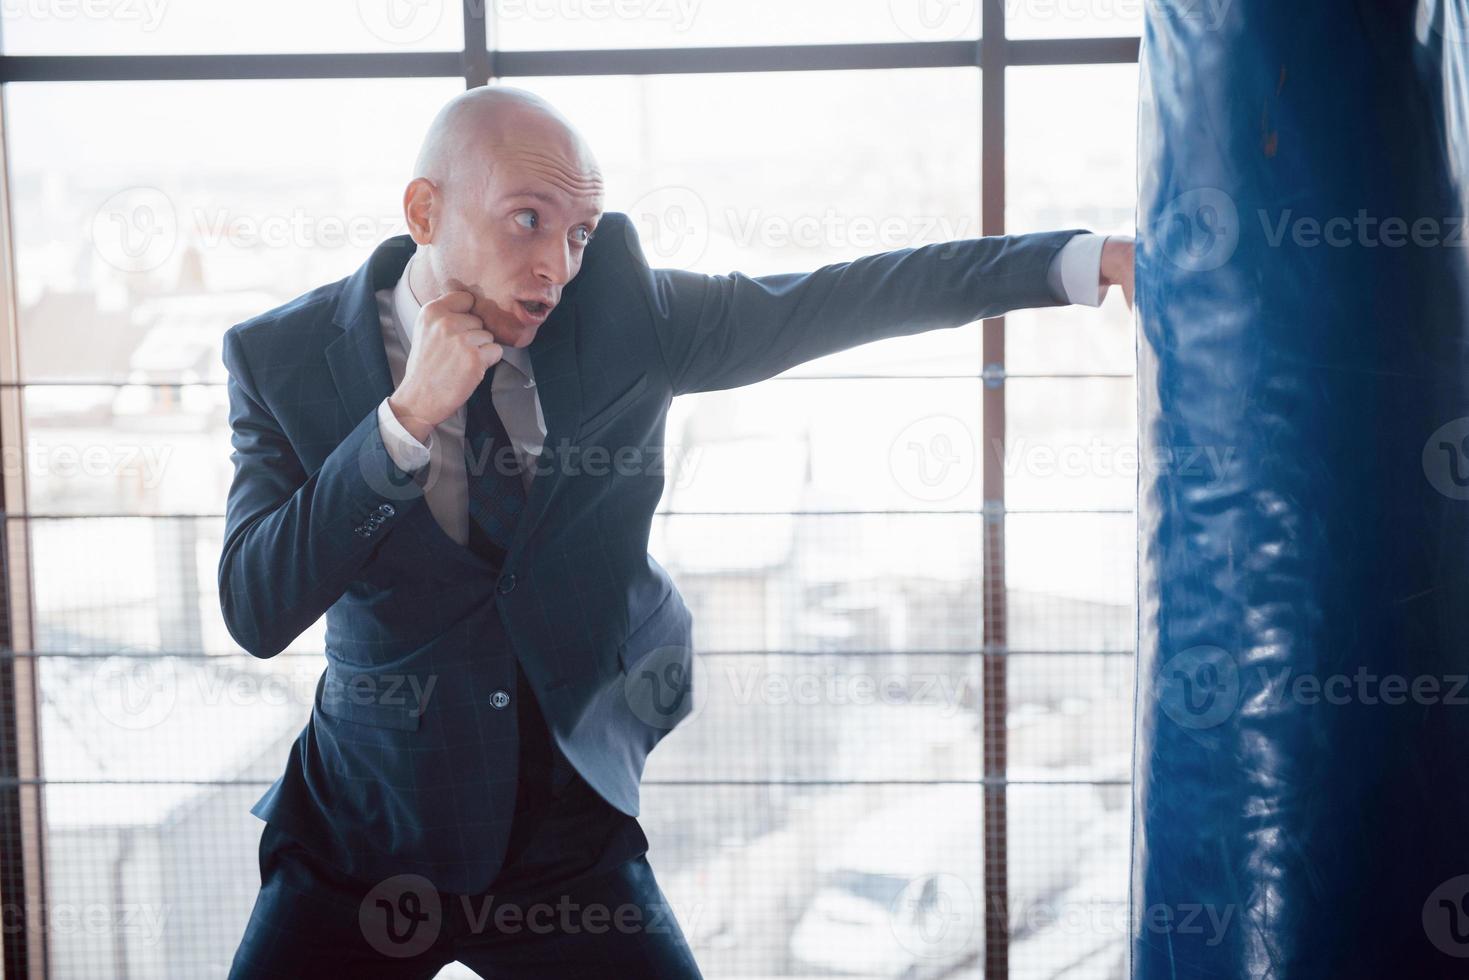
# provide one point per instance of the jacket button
(507, 584)
(387, 510)
(499, 699)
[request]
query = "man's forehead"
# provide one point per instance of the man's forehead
(554, 196)
(583, 196)
(518, 156)
(559, 167)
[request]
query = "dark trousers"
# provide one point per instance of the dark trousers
(575, 897)
(310, 921)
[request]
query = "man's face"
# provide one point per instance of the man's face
(514, 235)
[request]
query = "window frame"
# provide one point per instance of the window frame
(22, 818)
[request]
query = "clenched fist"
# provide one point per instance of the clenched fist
(448, 361)
(1118, 264)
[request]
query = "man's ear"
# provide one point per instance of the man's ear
(420, 209)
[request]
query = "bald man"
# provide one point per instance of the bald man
(454, 454)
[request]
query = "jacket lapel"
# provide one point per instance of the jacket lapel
(357, 358)
(359, 368)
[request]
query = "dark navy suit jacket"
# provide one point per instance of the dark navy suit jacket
(321, 521)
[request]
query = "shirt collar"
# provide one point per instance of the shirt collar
(406, 307)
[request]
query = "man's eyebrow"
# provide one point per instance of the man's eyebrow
(545, 199)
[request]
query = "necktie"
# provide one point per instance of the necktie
(496, 493)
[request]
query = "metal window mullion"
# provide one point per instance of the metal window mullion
(478, 67)
(993, 53)
(476, 61)
(737, 59)
(228, 67)
(24, 947)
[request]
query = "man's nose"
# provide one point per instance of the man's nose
(554, 263)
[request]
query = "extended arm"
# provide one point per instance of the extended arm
(730, 330)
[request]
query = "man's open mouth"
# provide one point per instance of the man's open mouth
(534, 307)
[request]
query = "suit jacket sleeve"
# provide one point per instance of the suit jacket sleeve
(293, 542)
(729, 330)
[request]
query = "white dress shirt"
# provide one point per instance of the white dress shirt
(513, 393)
(1074, 275)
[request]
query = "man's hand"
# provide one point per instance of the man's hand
(448, 361)
(1117, 265)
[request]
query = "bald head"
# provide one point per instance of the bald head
(475, 127)
(504, 197)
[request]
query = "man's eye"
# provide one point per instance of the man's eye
(588, 233)
(531, 215)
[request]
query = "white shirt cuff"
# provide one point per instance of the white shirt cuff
(1075, 275)
(406, 451)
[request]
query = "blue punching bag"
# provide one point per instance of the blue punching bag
(1301, 771)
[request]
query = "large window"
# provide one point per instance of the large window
(914, 629)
